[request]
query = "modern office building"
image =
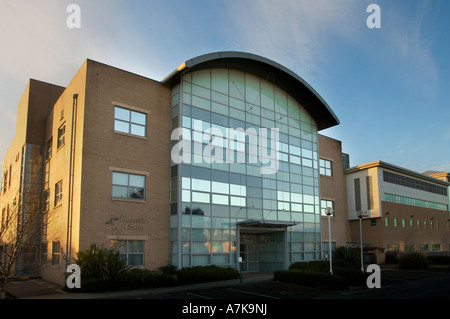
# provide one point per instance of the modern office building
(219, 163)
(238, 199)
(101, 150)
(404, 210)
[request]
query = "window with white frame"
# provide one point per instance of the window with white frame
(132, 251)
(325, 167)
(130, 122)
(128, 186)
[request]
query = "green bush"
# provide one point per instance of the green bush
(199, 274)
(92, 285)
(391, 257)
(313, 279)
(346, 257)
(168, 270)
(314, 265)
(413, 260)
(354, 277)
(141, 278)
(100, 263)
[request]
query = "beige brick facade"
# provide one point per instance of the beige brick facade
(332, 188)
(87, 212)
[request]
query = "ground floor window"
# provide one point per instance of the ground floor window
(409, 248)
(393, 247)
(132, 251)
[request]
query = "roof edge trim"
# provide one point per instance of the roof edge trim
(293, 84)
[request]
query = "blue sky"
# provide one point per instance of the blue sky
(390, 87)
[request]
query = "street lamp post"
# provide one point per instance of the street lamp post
(329, 211)
(360, 215)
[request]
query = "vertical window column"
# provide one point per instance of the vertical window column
(357, 185)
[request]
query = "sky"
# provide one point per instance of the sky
(389, 85)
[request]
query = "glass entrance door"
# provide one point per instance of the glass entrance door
(249, 253)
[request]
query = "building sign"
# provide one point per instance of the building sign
(130, 223)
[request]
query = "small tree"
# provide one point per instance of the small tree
(20, 234)
(24, 218)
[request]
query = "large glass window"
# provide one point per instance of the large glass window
(216, 195)
(128, 186)
(130, 122)
(414, 202)
(413, 183)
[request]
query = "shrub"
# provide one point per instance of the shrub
(199, 274)
(391, 257)
(354, 277)
(100, 263)
(314, 265)
(313, 279)
(92, 285)
(168, 270)
(141, 278)
(346, 257)
(413, 260)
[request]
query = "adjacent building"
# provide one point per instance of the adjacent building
(403, 210)
(219, 163)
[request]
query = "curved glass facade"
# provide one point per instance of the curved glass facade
(214, 197)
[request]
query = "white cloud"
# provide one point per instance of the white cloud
(36, 43)
(296, 32)
(412, 36)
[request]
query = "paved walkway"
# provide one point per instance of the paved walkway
(26, 288)
(41, 289)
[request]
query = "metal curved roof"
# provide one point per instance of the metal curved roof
(284, 78)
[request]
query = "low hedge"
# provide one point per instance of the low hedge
(132, 279)
(314, 265)
(313, 279)
(198, 274)
(439, 259)
(413, 260)
(354, 277)
(141, 278)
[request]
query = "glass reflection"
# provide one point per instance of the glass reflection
(216, 196)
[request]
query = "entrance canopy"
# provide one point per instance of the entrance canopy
(266, 223)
